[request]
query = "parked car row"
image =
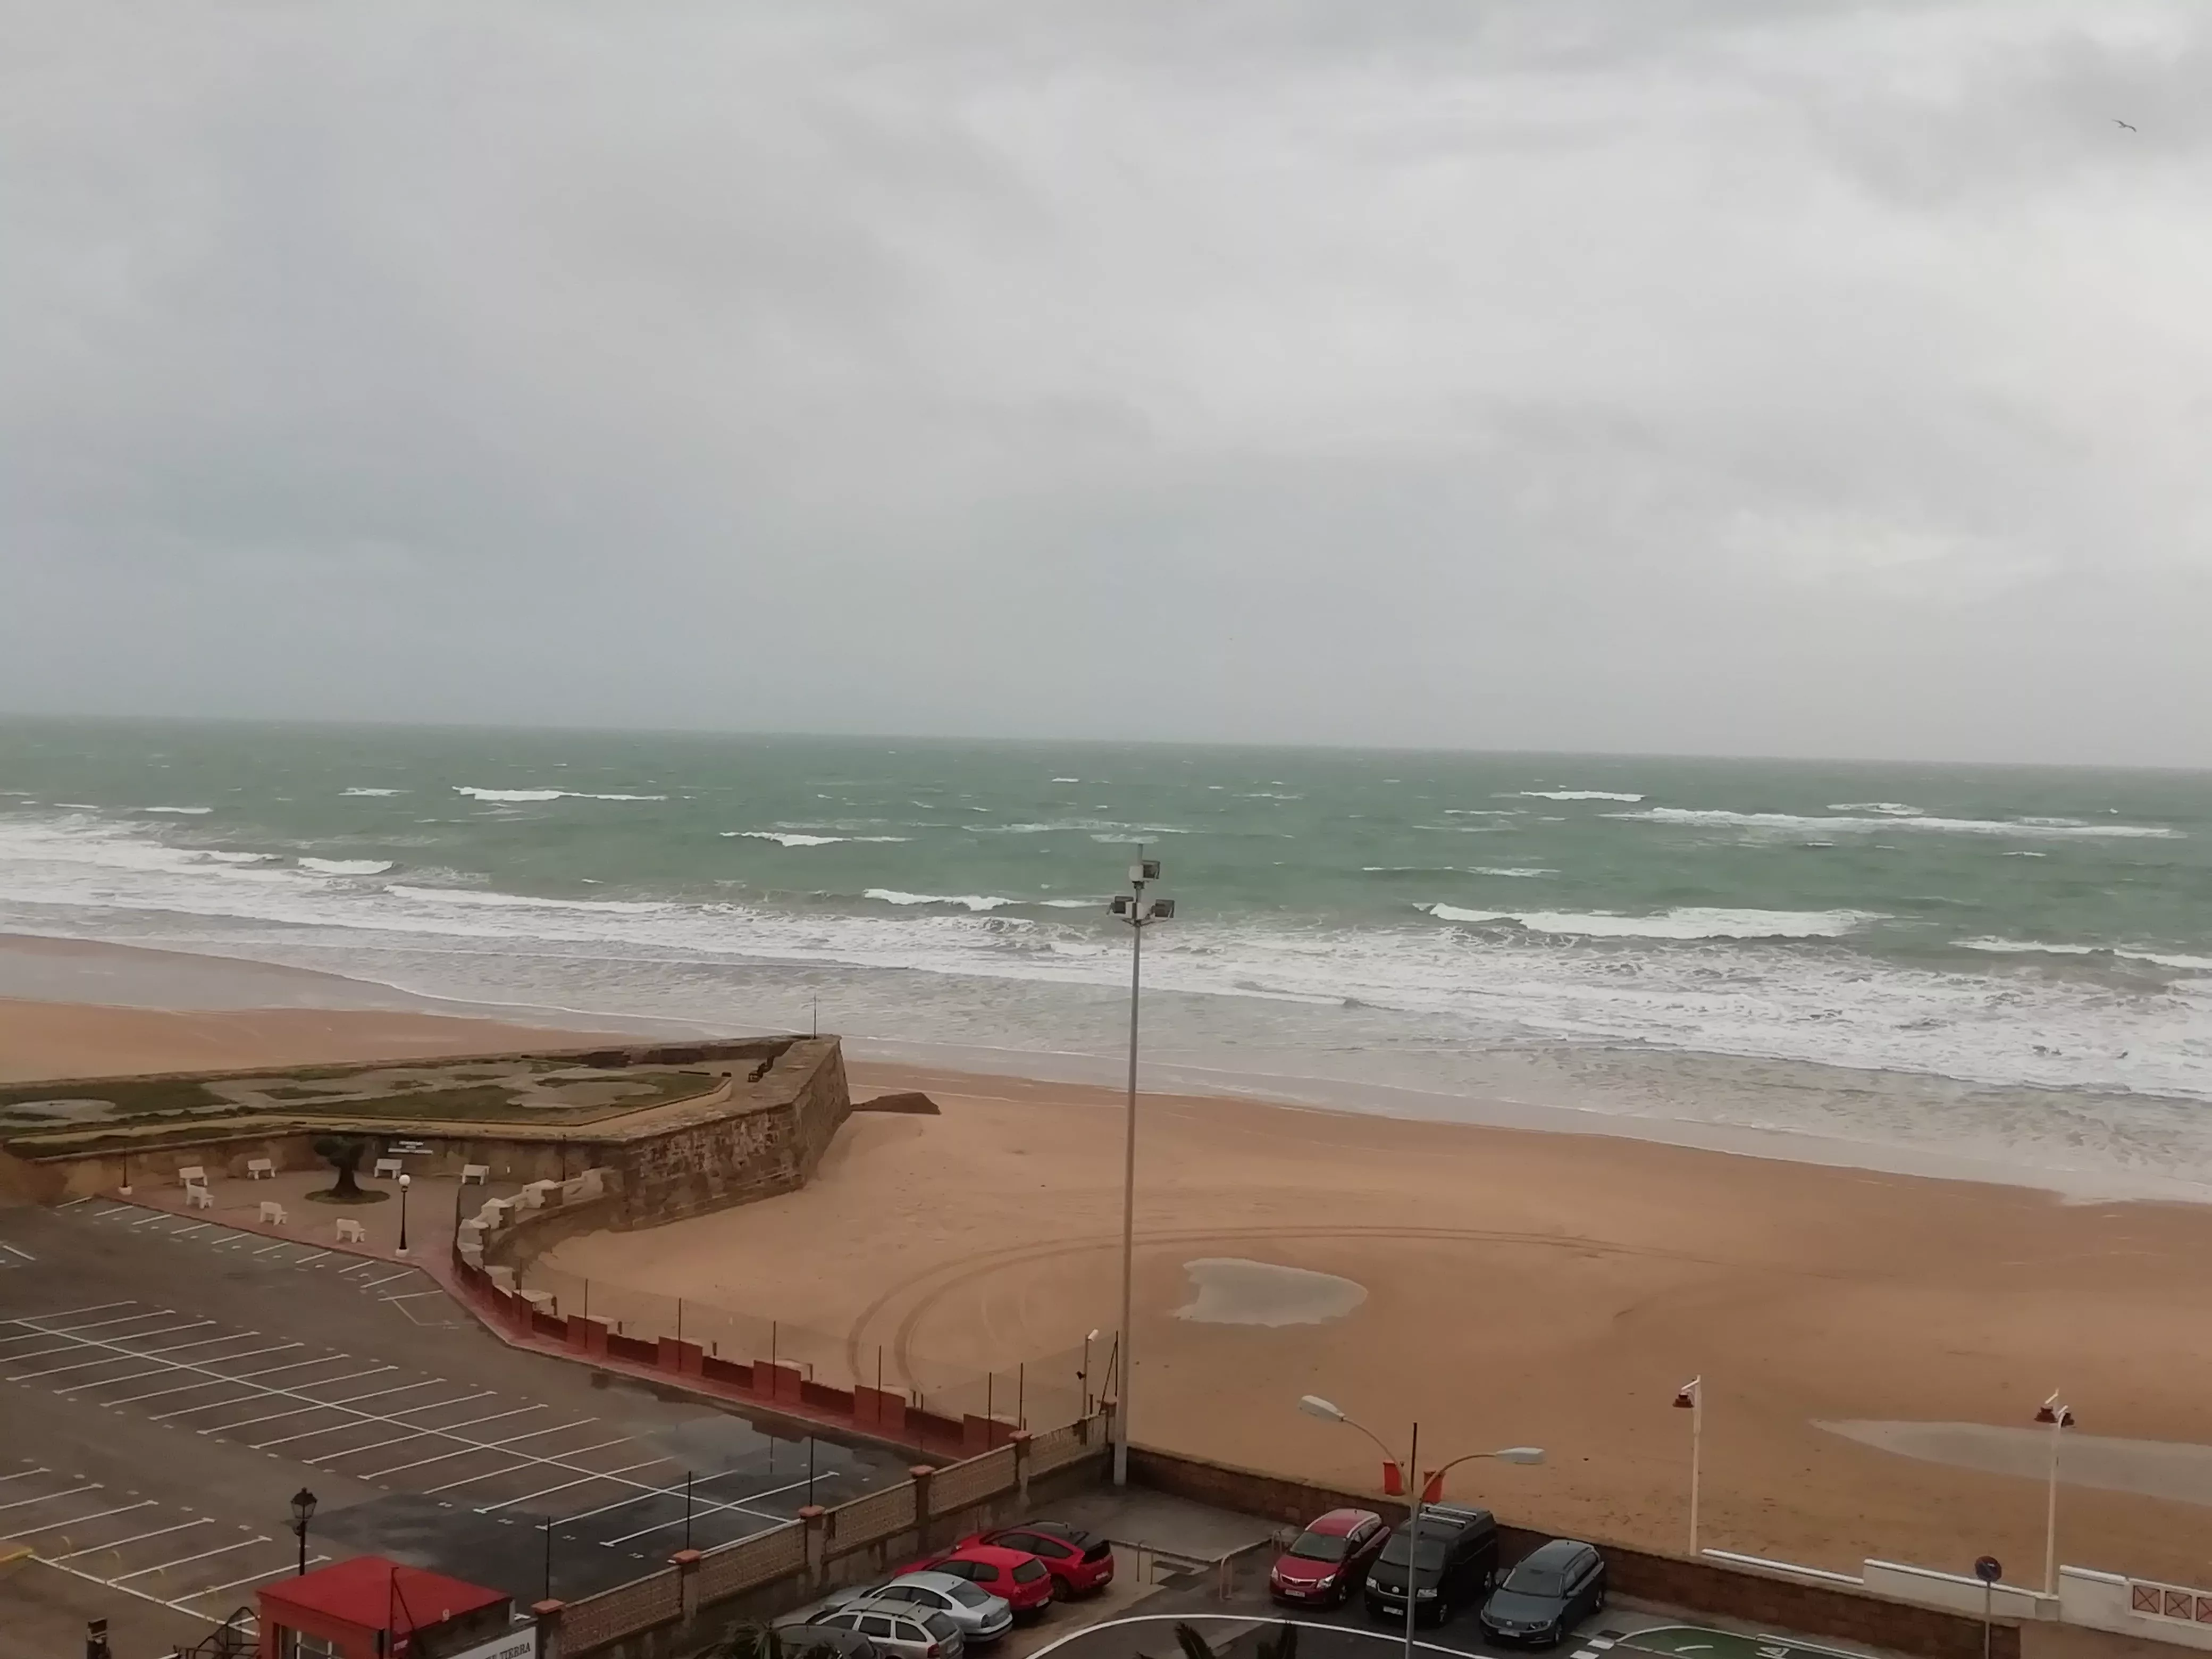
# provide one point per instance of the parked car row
(1452, 1563)
(969, 1595)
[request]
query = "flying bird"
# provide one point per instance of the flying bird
(2129, 125)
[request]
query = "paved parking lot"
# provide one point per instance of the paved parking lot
(170, 1383)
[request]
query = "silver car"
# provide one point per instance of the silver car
(981, 1616)
(899, 1630)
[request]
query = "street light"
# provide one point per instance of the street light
(405, 1181)
(1691, 1398)
(2058, 1418)
(303, 1510)
(1429, 1491)
(1083, 1376)
(1133, 909)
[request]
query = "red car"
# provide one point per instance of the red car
(1329, 1560)
(1081, 1563)
(1015, 1575)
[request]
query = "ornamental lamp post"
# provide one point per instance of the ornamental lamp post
(405, 1181)
(2054, 1414)
(303, 1510)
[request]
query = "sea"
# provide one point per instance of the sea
(1958, 968)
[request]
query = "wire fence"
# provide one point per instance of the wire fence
(1039, 1391)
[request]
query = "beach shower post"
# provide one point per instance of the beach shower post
(1133, 909)
(1691, 1398)
(2054, 1415)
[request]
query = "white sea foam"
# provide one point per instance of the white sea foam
(528, 796)
(1067, 780)
(372, 792)
(801, 838)
(1525, 875)
(1577, 794)
(1794, 822)
(1686, 922)
(215, 855)
(474, 897)
(348, 867)
(965, 900)
(181, 811)
(1486, 811)
(2130, 953)
(1892, 809)
(2024, 852)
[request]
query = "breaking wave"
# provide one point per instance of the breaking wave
(1795, 822)
(801, 838)
(519, 796)
(348, 867)
(1577, 794)
(1689, 922)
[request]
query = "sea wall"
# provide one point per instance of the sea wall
(746, 1138)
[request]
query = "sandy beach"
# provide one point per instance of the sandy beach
(1519, 1287)
(1522, 1288)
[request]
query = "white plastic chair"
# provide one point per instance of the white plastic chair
(191, 1175)
(351, 1232)
(273, 1213)
(198, 1198)
(387, 1166)
(258, 1168)
(479, 1173)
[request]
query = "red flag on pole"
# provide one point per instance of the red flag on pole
(1434, 1492)
(1394, 1483)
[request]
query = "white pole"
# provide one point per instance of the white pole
(2051, 1518)
(1697, 1459)
(1129, 1192)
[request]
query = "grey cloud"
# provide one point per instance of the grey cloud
(1690, 376)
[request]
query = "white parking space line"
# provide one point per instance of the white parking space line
(267, 1249)
(157, 1215)
(547, 1491)
(305, 1260)
(91, 1485)
(681, 1520)
(134, 1538)
(248, 1623)
(15, 1250)
(25, 1475)
(414, 1431)
(186, 1560)
(275, 1392)
(186, 1232)
(258, 1577)
(370, 1283)
(410, 1296)
(79, 1519)
(323, 1428)
(465, 1451)
(71, 1330)
(132, 1376)
(573, 1451)
(109, 1382)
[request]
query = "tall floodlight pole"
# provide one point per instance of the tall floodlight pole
(1133, 908)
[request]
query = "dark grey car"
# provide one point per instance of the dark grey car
(1550, 1590)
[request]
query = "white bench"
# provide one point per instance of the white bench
(258, 1168)
(198, 1198)
(387, 1166)
(479, 1173)
(192, 1175)
(273, 1213)
(352, 1233)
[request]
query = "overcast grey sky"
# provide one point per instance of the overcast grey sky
(1711, 375)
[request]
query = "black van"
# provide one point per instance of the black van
(1453, 1567)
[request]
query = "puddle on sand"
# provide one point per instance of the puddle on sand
(1232, 1290)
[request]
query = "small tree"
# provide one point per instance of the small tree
(750, 1639)
(343, 1153)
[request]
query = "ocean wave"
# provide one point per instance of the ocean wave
(217, 855)
(1577, 794)
(1093, 827)
(1890, 809)
(1457, 989)
(519, 796)
(349, 866)
(1686, 922)
(1795, 822)
(1488, 812)
(801, 838)
(373, 791)
(1526, 875)
(977, 902)
(2128, 952)
(180, 811)
(1067, 780)
(473, 897)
